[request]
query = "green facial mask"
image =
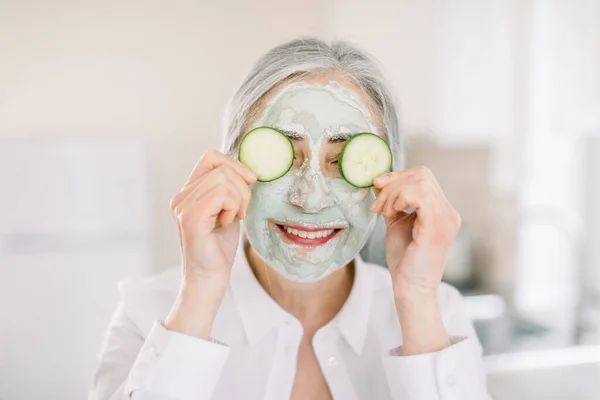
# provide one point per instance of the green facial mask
(304, 197)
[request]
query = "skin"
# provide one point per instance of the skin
(216, 196)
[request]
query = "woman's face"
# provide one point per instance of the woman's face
(311, 222)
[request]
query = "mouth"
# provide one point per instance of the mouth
(307, 235)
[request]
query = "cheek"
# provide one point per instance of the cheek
(267, 197)
(354, 203)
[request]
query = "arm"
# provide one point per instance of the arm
(430, 366)
(165, 365)
(122, 342)
(419, 369)
(177, 360)
(423, 330)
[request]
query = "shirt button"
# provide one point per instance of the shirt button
(450, 381)
(332, 361)
(152, 350)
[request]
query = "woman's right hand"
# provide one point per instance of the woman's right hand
(207, 211)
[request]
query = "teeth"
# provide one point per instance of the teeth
(309, 235)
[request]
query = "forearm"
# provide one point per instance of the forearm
(420, 318)
(436, 367)
(195, 308)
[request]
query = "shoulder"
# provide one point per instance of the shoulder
(148, 299)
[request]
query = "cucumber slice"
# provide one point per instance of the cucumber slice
(266, 152)
(364, 157)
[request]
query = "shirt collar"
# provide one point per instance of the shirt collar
(260, 313)
(353, 318)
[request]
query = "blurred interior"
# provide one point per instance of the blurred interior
(105, 107)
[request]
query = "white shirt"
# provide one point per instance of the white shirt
(358, 351)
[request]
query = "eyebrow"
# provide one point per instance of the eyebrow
(292, 135)
(340, 137)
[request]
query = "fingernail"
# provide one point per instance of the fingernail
(381, 180)
(374, 206)
(252, 176)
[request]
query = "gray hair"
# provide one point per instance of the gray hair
(311, 56)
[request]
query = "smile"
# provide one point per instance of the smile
(307, 235)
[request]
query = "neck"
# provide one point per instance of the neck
(314, 304)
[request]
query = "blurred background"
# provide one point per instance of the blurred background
(106, 106)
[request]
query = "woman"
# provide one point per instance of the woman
(281, 306)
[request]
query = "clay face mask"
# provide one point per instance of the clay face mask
(311, 222)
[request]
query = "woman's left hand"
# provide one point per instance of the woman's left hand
(417, 243)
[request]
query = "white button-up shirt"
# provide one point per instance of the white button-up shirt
(359, 351)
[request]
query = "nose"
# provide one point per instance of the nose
(311, 193)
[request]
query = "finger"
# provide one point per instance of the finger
(386, 187)
(191, 188)
(395, 196)
(223, 175)
(239, 188)
(193, 192)
(211, 206)
(395, 206)
(235, 205)
(230, 210)
(180, 233)
(383, 180)
(380, 199)
(226, 173)
(213, 159)
(400, 205)
(424, 177)
(242, 187)
(182, 195)
(213, 184)
(416, 197)
(398, 216)
(403, 196)
(227, 217)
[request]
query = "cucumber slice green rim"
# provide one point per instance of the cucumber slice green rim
(364, 157)
(267, 152)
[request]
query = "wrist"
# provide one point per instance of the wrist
(423, 329)
(195, 308)
(214, 284)
(414, 304)
(205, 279)
(414, 294)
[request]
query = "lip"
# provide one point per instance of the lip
(289, 238)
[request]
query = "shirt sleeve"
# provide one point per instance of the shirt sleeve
(165, 365)
(454, 373)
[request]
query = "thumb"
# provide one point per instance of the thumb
(400, 218)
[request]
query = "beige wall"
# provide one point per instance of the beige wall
(400, 35)
(156, 71)
(161, 72)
